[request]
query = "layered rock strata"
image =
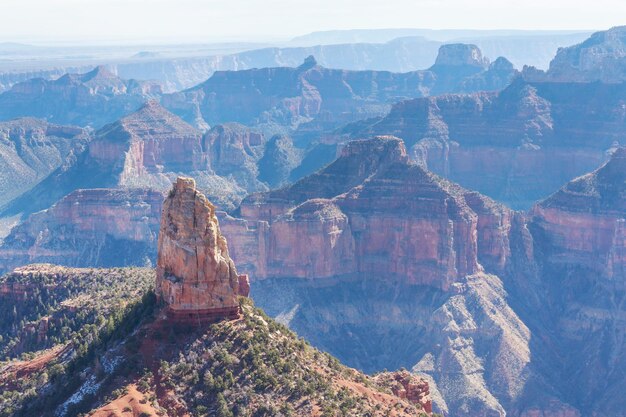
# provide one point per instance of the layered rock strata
(94, 227)
(372, 211)
(294, 96)
(517, 146)
(196, 277)
(91, 99)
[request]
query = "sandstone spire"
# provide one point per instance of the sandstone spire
(195, 276)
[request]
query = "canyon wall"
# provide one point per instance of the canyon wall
(98, 227)
(516, 146)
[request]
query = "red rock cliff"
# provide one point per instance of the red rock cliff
(195, 276)
(370, 212)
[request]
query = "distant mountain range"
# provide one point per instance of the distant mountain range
(182, 67)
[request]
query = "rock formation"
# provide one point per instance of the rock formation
(408, 386)
(146, 149)
(196, 278)
(94, 227)
(516, 146)
(234, 152)
(357, 223)
(310, 92)
(602, 57)
(95, 98)
(280, 157)
(582, 224)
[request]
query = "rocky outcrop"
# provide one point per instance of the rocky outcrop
(96, 227)
(456, 63)
(370, 212)
(147, 143)
(310, 92)
(582, 224)
(460, 55)
(409, 387)
(196, 278)
(602, 57)
(31, 149)
(516, 146)
(94, 98)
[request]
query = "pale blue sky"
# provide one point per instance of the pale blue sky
(210, 20)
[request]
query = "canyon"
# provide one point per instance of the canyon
(334, 256)
(508, 318)
(516, 146)
(476, 240)
(292, 96)
(203, 302)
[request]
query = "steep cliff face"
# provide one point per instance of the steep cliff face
(602, 57)
(195, 276)
(454, 63)
(516, 146)
(148, 142)
(94, 98)
(292, 96)
(579, 244)
(146, 149)
(97, 227)
(30, 149)
(410, 270)
(150, 147)
(583, 222)
(371, 212)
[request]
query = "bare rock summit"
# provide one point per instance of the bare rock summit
(196, 278)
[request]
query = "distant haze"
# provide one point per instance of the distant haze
(274, 20)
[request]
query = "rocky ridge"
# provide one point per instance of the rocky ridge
(602, 57)
(310, 92)
(91, 99)
(115, 359)
(516, 146)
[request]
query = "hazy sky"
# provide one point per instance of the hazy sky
(211, 20)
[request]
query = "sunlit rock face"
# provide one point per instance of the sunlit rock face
(583, 223)
(372, 211)
(196, 278)
(91, 227)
